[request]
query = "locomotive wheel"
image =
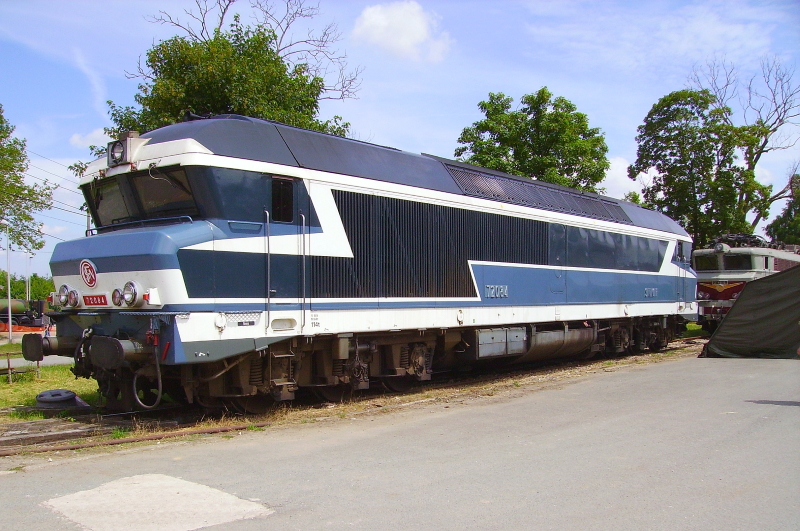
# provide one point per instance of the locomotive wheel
(333, 393)
(254, 404)
(398, 384)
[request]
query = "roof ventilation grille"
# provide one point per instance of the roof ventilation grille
(535, 195)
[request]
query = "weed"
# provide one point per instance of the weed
(252, 427)
(694, 330)
(515, 383)
(120, 433)
(26, 415)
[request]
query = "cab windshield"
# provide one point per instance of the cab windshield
(152, 194)
(705, 262)
(200, 192)
(737, 262)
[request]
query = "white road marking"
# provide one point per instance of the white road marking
(154, 502)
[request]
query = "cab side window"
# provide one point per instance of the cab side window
(282, 200)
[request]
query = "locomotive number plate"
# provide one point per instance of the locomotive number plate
(95, 300)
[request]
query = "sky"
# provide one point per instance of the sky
(426, 66)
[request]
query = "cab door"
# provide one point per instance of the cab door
(284, 255)
(557, 260)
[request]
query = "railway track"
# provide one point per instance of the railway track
(73, 430)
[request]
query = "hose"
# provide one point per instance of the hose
(158, 379)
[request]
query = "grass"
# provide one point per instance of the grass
(120, 433)
(694, 330)
(14, 349)
(24, 387)
(26, 415)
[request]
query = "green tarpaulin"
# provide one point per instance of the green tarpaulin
(764, 322)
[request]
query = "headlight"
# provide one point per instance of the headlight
(63, 294)
(116, 297)
(73, 298)
(116, 152)
(130, 293)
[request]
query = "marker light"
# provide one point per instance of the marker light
(73, 298)
(116, 297)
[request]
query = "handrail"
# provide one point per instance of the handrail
(268, 280)
(303, 294)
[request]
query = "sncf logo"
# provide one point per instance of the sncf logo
(88, 273)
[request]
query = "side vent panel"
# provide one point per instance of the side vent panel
(536, 195)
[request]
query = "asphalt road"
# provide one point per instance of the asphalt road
(48, 360)
(692, 444)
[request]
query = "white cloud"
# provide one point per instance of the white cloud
(95, 138)
(404, 29)
(648, 37)
(617, 183)
(95, 80)
(54, 229)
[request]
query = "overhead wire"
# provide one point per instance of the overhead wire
(61, 220)
(74, 210)
(51, 236)
(47, 171)
(57, 186)
(51, 160)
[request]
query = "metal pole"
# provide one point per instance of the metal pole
(8, 278)
(28, 276)
(8, 292)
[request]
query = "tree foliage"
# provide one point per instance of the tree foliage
(19, 201)
(546, 139)
(688, 151)
(41, 287)
(316, 51)
(786, 226)
(698, 164)
(769, 101)
(258, 71)
(234, 72)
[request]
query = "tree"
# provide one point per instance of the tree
(41, 287)
(632, 197)
(770, 100)
(687, 149)
(316, 51)
(786, 226)
(545, 139)
(20, 201)
(254, 71)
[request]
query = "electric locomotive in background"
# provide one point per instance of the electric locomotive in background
(235, 258)
(730, 262)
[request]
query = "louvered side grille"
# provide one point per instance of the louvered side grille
(412, 249)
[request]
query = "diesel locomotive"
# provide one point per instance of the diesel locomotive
(236, 260)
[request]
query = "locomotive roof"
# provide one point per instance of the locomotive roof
(266, 141)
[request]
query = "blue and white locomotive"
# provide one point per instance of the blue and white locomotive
(235, 258)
